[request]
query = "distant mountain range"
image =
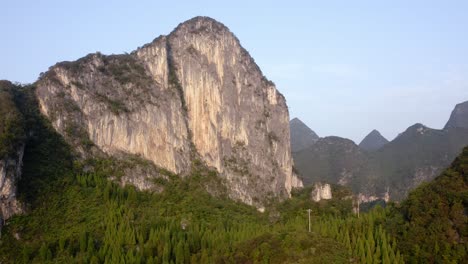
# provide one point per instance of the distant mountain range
(329, 160)
(378, 169)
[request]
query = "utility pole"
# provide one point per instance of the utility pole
(309, 210)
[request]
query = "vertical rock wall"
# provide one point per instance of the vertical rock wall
(193, 94)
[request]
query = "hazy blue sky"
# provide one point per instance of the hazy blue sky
(345, 67)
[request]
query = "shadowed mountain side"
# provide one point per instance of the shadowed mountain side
(373, 141)
(334, 160)
(301, 135)
(459, 116)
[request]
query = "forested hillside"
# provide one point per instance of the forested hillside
(11, 121)
(77, 214)
(432, 224)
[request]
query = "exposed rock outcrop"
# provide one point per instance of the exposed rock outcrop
(194, 94)
(321, 192)
(10, 173)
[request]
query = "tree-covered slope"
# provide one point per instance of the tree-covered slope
(334, 160)
(11, 120)
(432, 224)
(417, 155)
(12, 137)
(77, 212)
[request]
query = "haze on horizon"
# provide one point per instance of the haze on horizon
(345, 68)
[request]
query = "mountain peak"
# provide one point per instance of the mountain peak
(373, 141)
(202, 20)
(297, 121)
(459, 116)
(201, 24)
(417, 127)
(194, 81)
(301, 135)
(5, 83)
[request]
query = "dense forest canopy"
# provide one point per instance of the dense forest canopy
(432, 223)
(76, 213)
(11, 121)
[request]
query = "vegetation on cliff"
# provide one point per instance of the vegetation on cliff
(11, 121)
(76, 213)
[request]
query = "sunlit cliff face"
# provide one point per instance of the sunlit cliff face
(194, 94)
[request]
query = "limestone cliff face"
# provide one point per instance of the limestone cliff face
(237, 117)
(321, 192)
(194, 94)
(115, 102)
(10, 173)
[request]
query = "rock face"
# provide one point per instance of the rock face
(195, 94)
(302, 136)
(459, 117)
(321, 192)
(373, 141)
(10, 173)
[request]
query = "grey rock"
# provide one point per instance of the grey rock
(321, 192)
(195, 94)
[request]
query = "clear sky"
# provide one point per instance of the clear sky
(345, 67)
